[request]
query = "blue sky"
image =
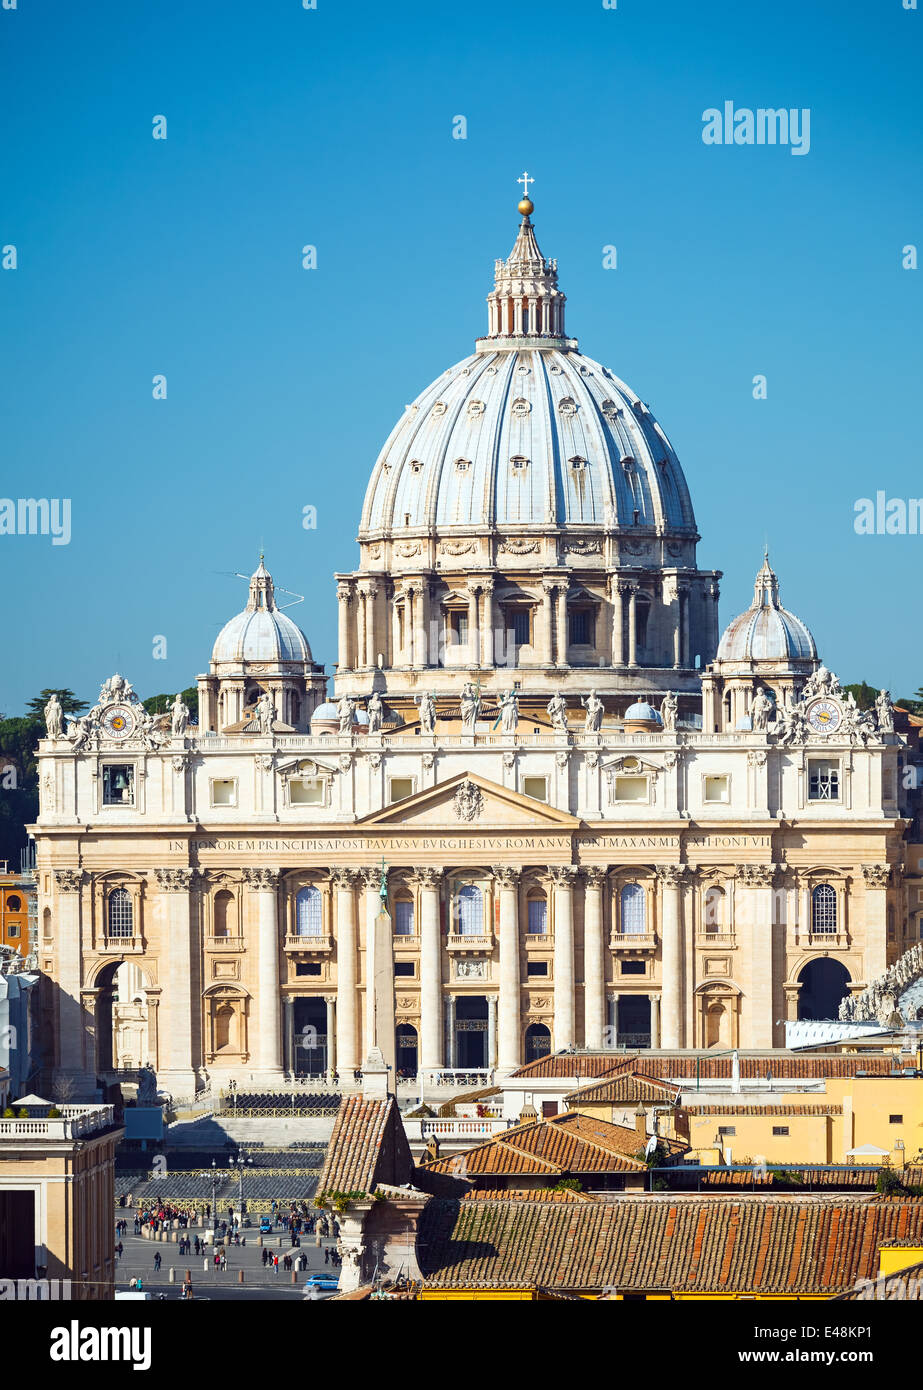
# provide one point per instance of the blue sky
(334, 127)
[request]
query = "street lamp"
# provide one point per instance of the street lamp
(214, 1203)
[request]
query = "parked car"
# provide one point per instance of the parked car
(265, 1225)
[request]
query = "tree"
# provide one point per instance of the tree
(70, 704)
(159, 704)
(864, 694)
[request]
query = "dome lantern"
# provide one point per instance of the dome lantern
(525, 302)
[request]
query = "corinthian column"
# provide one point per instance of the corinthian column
(474, 641)
(562, 878)
(178, 1064)
(345, 916)
(344, 594)
(371, 906)
(508, 1053)
(488, 640)
(547, 625)
(876, 878)
(671, 991)
(264, 884)
(632, 625)
(67, 926)
(753, 901)
(431, 1032)
(561, 653)
(594, 959)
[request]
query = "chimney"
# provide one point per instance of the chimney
(641, 1123)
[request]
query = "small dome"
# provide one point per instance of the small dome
(642, 710)
(261, 632)
(766, 631)
(327, 710)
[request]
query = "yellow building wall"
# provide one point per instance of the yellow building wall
(868, 1104)
(809, 1138)
(891, 1258)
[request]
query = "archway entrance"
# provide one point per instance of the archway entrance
(471, 1032)
(824, 985)
(310, 1051)
(406, 1053)
(538, 1041)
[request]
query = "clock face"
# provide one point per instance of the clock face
(824, 716)
(118, 721)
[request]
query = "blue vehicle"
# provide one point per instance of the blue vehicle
(323, 1283)
(265, 1225)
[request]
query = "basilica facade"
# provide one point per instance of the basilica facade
(590, 818)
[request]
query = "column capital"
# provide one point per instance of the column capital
(563, 875)
(175, 880)
(261, 879)
(344, 592)
(876, 875)
(342, 877)
(595, 877)
(68, 880)
(506, 875)
(670, 875)
(369, 878)
(426, 877)
(756, 875)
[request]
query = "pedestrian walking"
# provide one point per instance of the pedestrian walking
(157, 1261)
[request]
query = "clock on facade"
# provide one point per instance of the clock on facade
(824, 716)
(118, 721)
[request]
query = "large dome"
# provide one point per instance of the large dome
(534, 436)
(766, 631)
(261, 632)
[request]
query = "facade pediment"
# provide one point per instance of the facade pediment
(469, 800)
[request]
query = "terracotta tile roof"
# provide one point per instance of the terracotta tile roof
(554, 1146)
(533, 1194)
(361, 1130)
(626, 1087)
(665, 1242)
(768, 1109)
(811, 1178)
(904, 1285)
(784, 1066)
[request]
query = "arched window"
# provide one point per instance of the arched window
(714, 910)
(538, 915)
(823, 909)
(14, 903)
(633, 913)
(121, 921)
(225, 916)
(403, 917)
(308, 912)
(470, 910)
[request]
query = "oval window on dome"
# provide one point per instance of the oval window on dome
(567, 405)
(476, 407)
(585, 371)
(440, 408)
(520, 407)
(524, 370)
(555, 369)
(415, 465)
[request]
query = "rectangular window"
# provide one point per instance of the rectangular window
(518, 621)
(633, 967)
(538, 916)
(399, 788)
(308, 968)
(581, 628)
(118, 784)
(459, 626)
(536, 787)
(12, 929)
(224, 791)
(403, 917)
(727, 1131)
(717, 789)
(404, 967)
(895, 1119)
(823, 780)
(306, 792)
(631, 789)
(537, 967)
(780, 1131)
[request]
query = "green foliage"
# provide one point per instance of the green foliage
(159, 704)
(9, 1113)
(339, 1201)
(70, 703)
(863, 694)
(568, 1185)
(887, 1181)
